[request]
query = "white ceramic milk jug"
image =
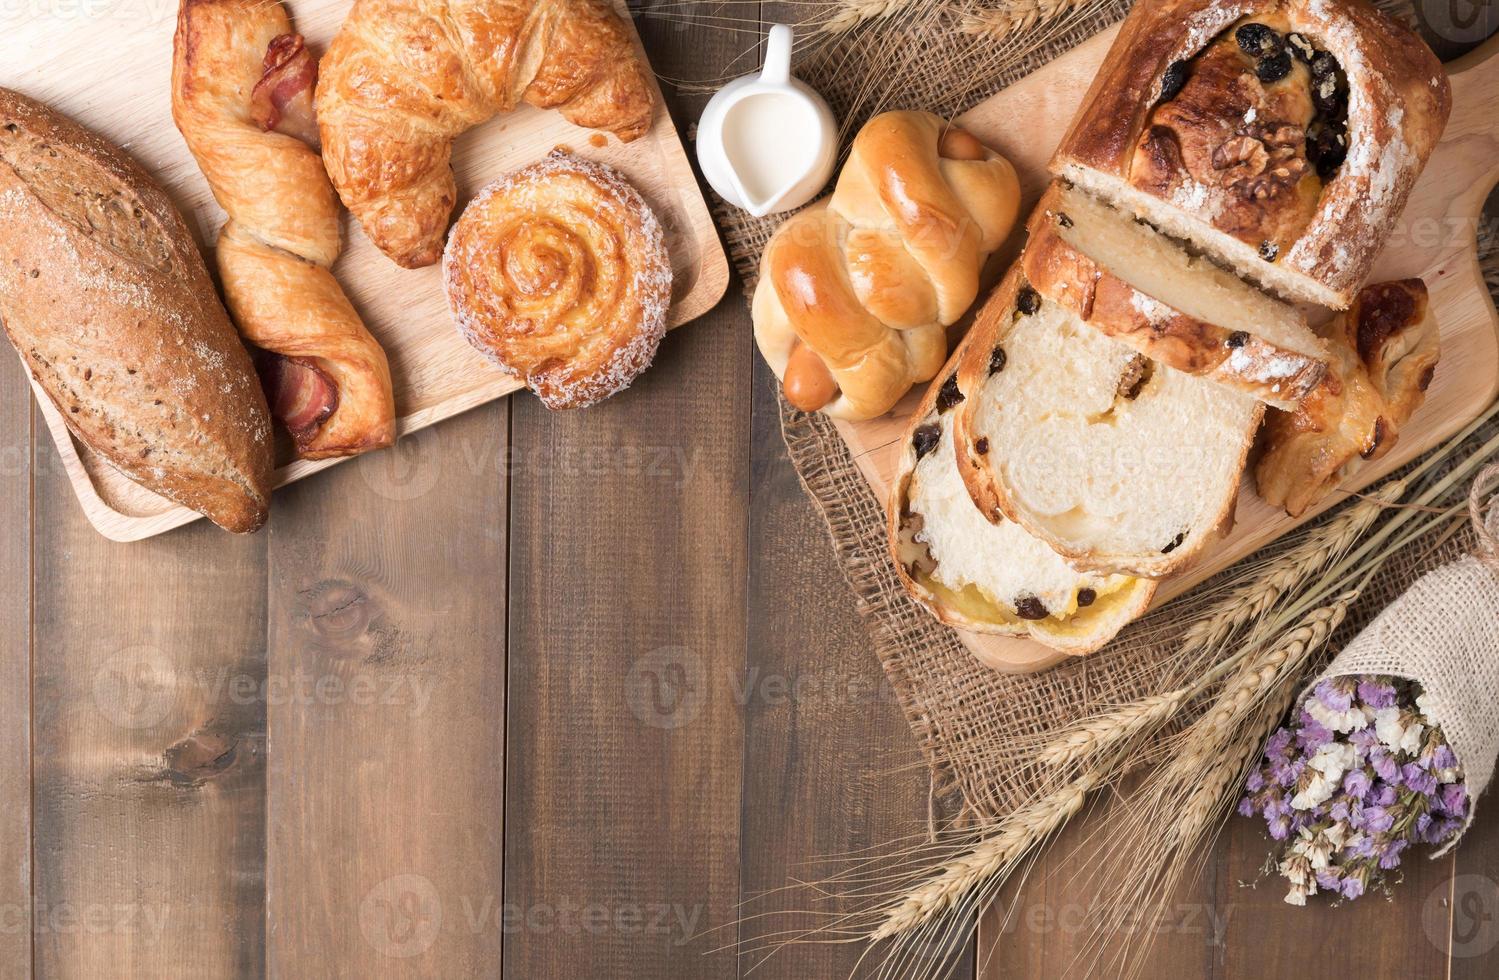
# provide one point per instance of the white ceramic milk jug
(768, 142)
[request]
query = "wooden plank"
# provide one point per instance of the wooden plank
(149, 808)
(830, 766)
(54, 57)
(386, 784)
(1037, 927)
(1465, 913)
(627, 644)
(15, 667)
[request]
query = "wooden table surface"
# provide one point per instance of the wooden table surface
(547, 694)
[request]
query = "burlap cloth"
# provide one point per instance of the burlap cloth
(1443, 633)
(958, 709)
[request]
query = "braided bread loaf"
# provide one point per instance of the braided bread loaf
(241, 96)
(856, 292)
(403, 78)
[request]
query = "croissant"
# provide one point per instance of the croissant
(403, 78)
(242, 97)
(1385, 351)
(856, 293)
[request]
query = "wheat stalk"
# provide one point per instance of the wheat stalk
(1102, 732)
(852, 13)
(1017, 834)
(1251, 600)
(997, 23)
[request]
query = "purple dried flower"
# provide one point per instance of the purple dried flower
(1313, 734)
(1389, 858)
(1334, 696)
(1353, 886)
(1356, 783)
(1279, 826)
(1246, 807)
(1378, 819)
(1329, 878)
(1365, 741)
(1376, 693)
(1442, 757)
(1278, 743)
(1418, 779)
(1383, 794)
(1256, 781)
(1454, 799)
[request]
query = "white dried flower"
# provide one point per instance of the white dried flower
(1353, 719)
(1327, 766)
(1395, 734)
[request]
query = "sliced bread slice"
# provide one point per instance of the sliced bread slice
(1117, 462)
(1146, 291)
(990, 578)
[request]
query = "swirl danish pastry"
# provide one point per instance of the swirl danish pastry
(242, 97)
(559, 274)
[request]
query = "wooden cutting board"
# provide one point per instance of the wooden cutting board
(109, 67)
(1435, 239)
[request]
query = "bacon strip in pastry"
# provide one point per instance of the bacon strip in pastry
(242, 87)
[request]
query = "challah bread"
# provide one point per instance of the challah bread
(404, 78)
(105, 296)
(856, 292)
(241, 96)
(1386, 350)
(1143, 290)
(1116, 462)
(1280, 136)
(983, 577)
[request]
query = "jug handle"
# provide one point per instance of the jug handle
(777, 68)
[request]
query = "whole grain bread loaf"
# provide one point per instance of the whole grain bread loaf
(107, 299)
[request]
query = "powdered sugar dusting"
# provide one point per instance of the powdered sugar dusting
(1155, 312)
(634, 327)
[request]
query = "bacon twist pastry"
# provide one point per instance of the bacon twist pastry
(242, 88)
(559, 274)
(403, 78)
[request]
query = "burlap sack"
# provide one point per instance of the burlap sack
(958, 709)
(1443, 633)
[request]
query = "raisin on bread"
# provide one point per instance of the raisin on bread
(1387, 346)
(1281, 136)
(1117, 462)
(1148, 292)
(990, 577)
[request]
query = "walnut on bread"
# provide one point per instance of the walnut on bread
(856, 292)
(1386, 348)
(1280, 136)
(985, 577)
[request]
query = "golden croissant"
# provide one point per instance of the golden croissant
(242, 98)
(403, 78)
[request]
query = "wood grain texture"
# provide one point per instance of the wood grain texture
(15, 669)
(387, 658)
(148, 757)
(436, 374)
(627, 640)
(1435, 239)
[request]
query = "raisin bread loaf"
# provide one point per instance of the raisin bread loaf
(1117, 462)
(1144, 290)
(990, 577)
(1280, 136)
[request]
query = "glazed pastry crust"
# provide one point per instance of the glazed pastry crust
(870, 278)
(559, 274)
(404, 78)
(1398, 102)
(1386, 349)
(282, 235)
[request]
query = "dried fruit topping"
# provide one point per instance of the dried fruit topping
(1027, 301)
(1269, 251)
(925, 439)
(1173, 80)
(1323, 65)
(982, 446)
(997, 360)
(1259, 41)
(1273, 68)
(1063, 220)
(1237, 339)
(1327, 96)
(1326, 148)
(1301, 47)
(1175, 543)
(1029, 607)
(949, 395)
(1086, 597)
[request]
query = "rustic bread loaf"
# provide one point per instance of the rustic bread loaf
(1117, 462)
(990, 578)
(107, 299)
(1147, 292)
(1281, 136)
